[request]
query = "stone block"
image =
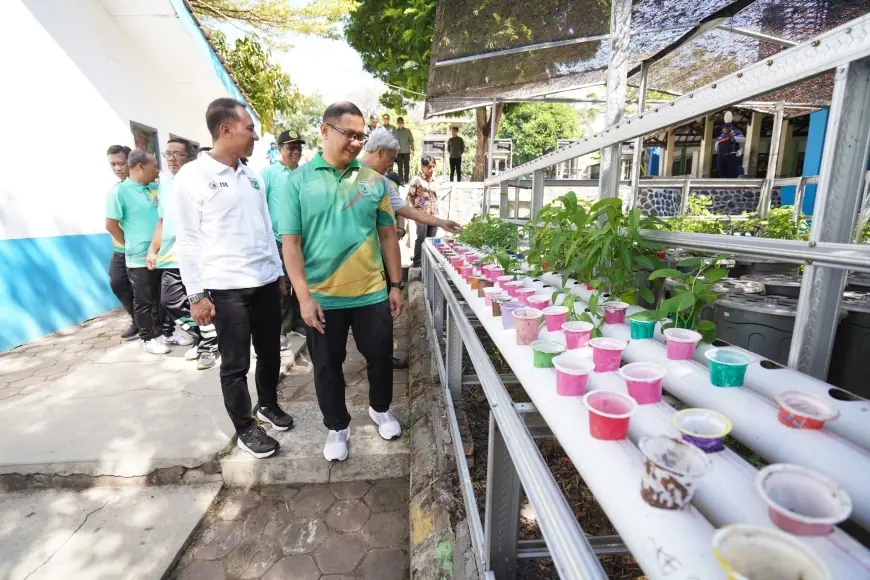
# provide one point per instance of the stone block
(340, 554)
(348, 515)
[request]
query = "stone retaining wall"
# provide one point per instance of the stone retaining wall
(665, 201)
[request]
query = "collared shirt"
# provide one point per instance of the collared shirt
(391, 128)
(337, 213)
(275, 179)
(136, 210)
(422, 195)
(396, 200)
(455, 147)
(111, 200)
(225, 236)
(405, 138)
(166, 257)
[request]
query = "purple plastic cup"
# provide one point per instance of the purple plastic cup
(577, 333)
(507, 314)
(555, 317)
(704, 428)
(681, 343)
(572, 375)
(606, 353)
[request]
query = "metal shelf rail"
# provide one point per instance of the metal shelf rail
(829, 252)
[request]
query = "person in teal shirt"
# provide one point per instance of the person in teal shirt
(119, 282)
(275, 179)
(131, 219)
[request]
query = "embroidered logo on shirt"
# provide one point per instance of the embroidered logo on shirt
(212, 185)
(254, 183)
(364, 188)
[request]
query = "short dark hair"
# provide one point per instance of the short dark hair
(336, 110)
(221, 111)
(400, 120)
(203, 150)
(188, 146)
(140, 157)
(115, 149)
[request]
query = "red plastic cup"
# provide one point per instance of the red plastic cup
(609, 414)
(539, 301)
(555, 317)
(644, 382)
(606, 353)
(614, 312)
(577, 333)
(512, 288)
(500, 281)
(681, 343)
(800, 410)
(523, 294)
(572, 375)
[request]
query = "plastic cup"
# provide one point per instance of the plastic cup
(512, 287)
(681, 343)
(545, 351)
(572, 375)
(488, 294)
(523, 294)
(804, 411)
(672, 472)
(436, 241)
(727, 366)
(614, 312)
(466, 271)
(609, 414)
(507, 313)
(528, 324)
(577, 333)
(644, 382)
(494, 273)
(497, 301)
(500, 281)
(704, 428)
(555, 317)
(802, 501)
(457, 263)
(641, 329)
(606, 353)
(754, 553)
(483, 284)
(539, 301)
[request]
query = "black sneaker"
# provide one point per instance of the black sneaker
(131, 333)
(399, 364)
(300, 330)
(280, 420)
(257, 443)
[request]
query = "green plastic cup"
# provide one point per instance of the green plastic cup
(641, 329)
(727, 366)
(545, 351)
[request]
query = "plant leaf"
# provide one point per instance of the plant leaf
(646, 316)
(690, 262)
(666, 273)
(713, 275)
(646, 294)
(707, 330)
(644, 262)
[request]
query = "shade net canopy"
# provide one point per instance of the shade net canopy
(688, 43)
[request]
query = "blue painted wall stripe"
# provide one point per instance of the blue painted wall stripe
(812, 161)
(52, 283)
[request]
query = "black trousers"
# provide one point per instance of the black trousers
(404, 162)
(456, 168)
(291, 313)
(119, 281)
(146, 297)
(241, 316)
(173, 300)
(372, 328)
(423, 232)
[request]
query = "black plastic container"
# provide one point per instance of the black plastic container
(746, 266)
(850, 361)
(788, 285)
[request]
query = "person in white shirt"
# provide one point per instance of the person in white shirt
(230, 266)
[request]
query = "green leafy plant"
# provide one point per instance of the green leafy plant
(491, 232)
(693, 221)
(505, 261)
(779, 224)
(555, 234)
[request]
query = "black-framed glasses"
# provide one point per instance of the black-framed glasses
(352, 135)
(175, 155)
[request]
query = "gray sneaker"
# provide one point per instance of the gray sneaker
(206, 361)
(285, 344)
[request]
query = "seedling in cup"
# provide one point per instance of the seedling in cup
(802, 501)
(748, 552)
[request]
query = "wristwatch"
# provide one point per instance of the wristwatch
(400, 285)
(194, 298)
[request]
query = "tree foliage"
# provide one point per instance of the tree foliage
(271, 19)
(305, 120)
(535, 127)
(267, 86)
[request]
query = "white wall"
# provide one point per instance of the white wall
(73, 81)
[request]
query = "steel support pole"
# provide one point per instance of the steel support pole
(638, 142)
(537, 193)
(799, 191)
(617, 75)
(502, 515)
(454, 358)
(773, 157)
(504, 201)
(838, 199)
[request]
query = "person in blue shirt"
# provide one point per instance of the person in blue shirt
(274, 155)
(729, 150)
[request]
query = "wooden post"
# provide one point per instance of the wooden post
(670, 150)
(750, 148)
(706, 169)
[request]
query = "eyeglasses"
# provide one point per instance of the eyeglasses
(352, 135)
(175, 155)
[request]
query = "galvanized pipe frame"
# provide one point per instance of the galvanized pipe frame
(571, 551)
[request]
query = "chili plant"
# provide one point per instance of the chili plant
(488, 231)
(553, 237)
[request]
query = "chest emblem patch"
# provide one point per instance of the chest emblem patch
(364, 188)
(254, 183)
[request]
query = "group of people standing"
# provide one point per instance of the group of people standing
(205, 252)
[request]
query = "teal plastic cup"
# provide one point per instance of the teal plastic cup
(727, 367)
(641, 329)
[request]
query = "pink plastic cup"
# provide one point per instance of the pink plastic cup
(528, 324)
(609, 414)
(500, 281)
(555, 317)
(539, 301)
(494, 273)
(572, 375)
(457, 262)
(681, 343)
(644, 382)
(507, 314)
(576, 333)
(606, 353)
(466, 272)
(488, 293)
(523, 294)
(614, 312)
(512, 287)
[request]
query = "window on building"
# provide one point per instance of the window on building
(145, 137)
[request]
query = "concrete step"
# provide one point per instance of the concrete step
(101, 533)
(300, 458)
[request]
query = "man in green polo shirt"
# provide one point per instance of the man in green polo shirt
(338, 230)
(131, 219)
(275, 179)
(118, 280)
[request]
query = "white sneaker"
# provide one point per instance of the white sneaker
(388, 427)
(191, 353)
(336, 445)
(155, 347)
(177, 339)
(285, 344)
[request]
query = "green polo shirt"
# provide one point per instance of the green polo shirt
(166, 258)
(111, 200)
(275, 178)
(136, 209)
(338, 213)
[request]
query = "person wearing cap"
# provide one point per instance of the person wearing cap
(275, 179)
(728, 149)
(406, 149)
(373, 124)
(422, 196)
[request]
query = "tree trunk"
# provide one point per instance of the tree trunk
(483, 127)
